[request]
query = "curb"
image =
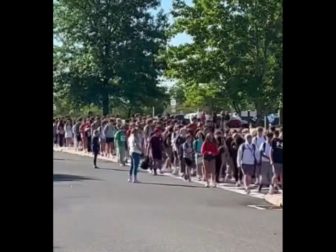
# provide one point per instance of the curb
(272, 199)
(275, 199)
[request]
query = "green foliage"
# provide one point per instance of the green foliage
(235, 59)
(108, 51)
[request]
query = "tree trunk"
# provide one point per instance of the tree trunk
(106, 104)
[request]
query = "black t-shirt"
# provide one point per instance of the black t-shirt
(277, 145)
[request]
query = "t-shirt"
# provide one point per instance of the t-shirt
(120, 139)
(187, 150)
(198, 145)
(277, 145)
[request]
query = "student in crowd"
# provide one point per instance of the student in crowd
(68, 133)
(197, 145)
(237, 140)
(155, 150)
(95, 147)
(266, 167)
(82, 134)
(135, 150)
(220, 141)
(109, 132)
(209, 151)
(188, 154)
(55, 131)
(60, 133)
(276, 162)
(246, 160)
(168, 148)
(120, 145)
(258, 141)
(102, 138)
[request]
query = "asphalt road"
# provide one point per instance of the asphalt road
(98, 211)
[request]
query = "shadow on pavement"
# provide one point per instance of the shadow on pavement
(67, 177)
(115, 169)
(164, 184)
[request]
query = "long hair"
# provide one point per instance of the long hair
(208, 140)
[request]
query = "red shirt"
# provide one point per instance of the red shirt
(209, 148)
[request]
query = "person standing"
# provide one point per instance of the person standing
(246, 160)
(276, 162)
(237, 140)
(60, 132)
(135, 150)
(266, 167)
(209, 151)
(258, 141)
(95, 147)
(109, 135)
(155, 149)
(188, 154)
(68, 133)
(120, 144)
(197, 144)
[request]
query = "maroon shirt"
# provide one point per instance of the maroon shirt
(156, 147)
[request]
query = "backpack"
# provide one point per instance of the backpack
(254, 150)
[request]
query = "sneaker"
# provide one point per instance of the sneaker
(238, 184)
(248, 191)
(130, 179)
(207, 185)
(259, 188)
(136, 181)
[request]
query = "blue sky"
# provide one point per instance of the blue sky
(182, 38)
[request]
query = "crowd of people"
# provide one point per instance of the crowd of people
(203, 148)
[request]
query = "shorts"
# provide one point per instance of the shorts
(188, 161)
(248, 169)
(109, 139)
(277, 169)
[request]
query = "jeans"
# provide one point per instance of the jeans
(135, 160)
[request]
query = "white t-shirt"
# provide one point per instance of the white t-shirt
(267, 151)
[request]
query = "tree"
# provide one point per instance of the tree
(108, 49)
(236, 52)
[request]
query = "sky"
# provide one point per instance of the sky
(182, 38)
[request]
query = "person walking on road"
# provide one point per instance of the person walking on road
(197, 144)
(276, 162)
(266, 167)
(258, 141)
(188, 154)
(209, 151)
(95, 147)
(246, 161)
(135, 150)
(155, 150)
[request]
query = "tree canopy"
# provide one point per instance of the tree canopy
(108, 52)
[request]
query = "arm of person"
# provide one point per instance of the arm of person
(239, 156)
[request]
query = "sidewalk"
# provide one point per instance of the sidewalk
(275, 199)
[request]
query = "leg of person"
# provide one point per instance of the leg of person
(213, 172)
(136, 158)
(131, 168)
(262, 176)
(182, 166)
(218, 163)
(89, 144)
(245, 179)
(122, 155)
(206, 172)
